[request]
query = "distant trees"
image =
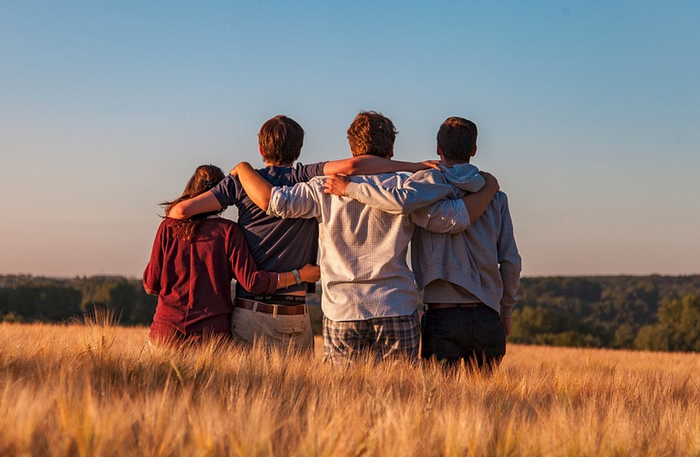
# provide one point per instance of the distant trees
(28, 299)
(553, 328)
(652, 312)
(44, 303)
(625, 312)
(678, 328)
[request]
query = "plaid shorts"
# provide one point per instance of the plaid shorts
(380, 338)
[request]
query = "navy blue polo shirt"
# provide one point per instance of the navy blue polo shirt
(277, 244)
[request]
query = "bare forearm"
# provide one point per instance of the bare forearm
(478, 202)
(370, 165)
(257, 188)
(307, 273)
(204, 203)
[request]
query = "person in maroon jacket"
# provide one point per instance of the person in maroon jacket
(192, 264)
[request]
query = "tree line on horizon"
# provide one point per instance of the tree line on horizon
(25, 298)
(659, 313)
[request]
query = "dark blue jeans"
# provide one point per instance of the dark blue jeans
(474, 335)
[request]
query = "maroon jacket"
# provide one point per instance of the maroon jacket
(193, 278)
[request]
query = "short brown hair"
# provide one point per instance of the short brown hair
(372, 133)
(457, 138)
(280, 140)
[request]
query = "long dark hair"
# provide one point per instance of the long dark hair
(204, 178)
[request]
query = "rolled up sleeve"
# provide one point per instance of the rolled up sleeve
(297, 202)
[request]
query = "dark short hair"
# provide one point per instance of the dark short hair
(457, 138)
(371, 133)
(280, 140)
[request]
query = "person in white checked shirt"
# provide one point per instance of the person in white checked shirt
(370, 297)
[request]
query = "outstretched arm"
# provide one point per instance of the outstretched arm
(257, 187)
(441, 216)
(408, 195)
(204, 203)
(372, 165)
(453, 216)
(289, 202)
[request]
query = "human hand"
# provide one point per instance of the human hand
(426, 164)
(336, 184)
(310, 273)
(506, 325)
(491, 181)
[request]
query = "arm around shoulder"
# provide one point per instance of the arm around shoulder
(204, 203)
(406, 197)
(257, 187)
(300, 201)
(477, 203)
(371, 165)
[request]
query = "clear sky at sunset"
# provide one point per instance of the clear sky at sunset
(589, 115)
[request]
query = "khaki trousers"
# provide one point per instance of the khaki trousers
(280, 331)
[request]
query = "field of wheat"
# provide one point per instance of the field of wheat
(94, 389)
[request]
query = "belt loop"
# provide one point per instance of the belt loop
(255, 306)
(274, 311)
(306, 309)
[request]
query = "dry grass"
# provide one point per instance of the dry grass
(95, 390)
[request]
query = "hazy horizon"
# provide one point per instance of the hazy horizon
(588, 114)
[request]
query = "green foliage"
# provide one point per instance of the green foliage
(144, 307)
(28, 299)
(553, 328)
(607, 311)
(4, 301)
(678, 328)
(12, 318)
(579, 288)
(626, 312)
(44, 303)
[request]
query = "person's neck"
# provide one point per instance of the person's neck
(452, 163)
(270, 164)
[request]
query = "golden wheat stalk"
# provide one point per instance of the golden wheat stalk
(96, 389)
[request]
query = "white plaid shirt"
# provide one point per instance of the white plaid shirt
(362, 250)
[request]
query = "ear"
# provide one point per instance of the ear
(439, 153)
(260, 150)
(391, 151)
(473, 152)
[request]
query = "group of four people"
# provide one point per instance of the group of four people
(356, 217)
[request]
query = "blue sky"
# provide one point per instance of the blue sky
(588, 115)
